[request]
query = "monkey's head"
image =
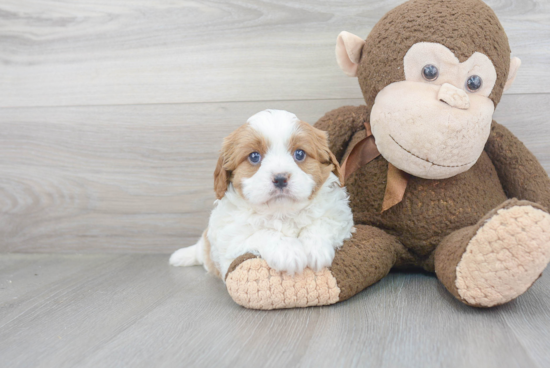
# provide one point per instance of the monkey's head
(432, 72)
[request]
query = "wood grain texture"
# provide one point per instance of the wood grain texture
(135, 310)
(116, 178)
(139, 178)
(67, 53)
(111, 116)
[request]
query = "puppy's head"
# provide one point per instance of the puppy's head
(275, 157)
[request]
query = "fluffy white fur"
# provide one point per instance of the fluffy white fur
(289, 230)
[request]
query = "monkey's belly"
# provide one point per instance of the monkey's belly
(430, 209)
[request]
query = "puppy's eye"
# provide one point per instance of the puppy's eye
(299, 155)
(430, 72)
(474, 83)
(254, 158)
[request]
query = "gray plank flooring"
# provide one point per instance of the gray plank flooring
(136, 311)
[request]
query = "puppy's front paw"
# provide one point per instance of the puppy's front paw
(287, 255)
(319, 254)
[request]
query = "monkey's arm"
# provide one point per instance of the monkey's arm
(519, 171)
(341, 124)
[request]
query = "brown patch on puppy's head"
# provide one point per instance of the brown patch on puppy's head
(319, 161)
(464, 26)
(233, 165)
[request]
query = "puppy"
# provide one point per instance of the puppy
(279, 197)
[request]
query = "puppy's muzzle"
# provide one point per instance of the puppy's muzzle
(280, 181)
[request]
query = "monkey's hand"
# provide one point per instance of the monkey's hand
(341, 124)
(520, 173)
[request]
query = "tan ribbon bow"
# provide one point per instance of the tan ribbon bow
(364, 152)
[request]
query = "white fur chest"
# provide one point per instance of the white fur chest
(231, 213)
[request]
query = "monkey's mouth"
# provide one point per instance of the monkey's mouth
(423, 159)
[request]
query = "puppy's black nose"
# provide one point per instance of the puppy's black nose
(280, 180)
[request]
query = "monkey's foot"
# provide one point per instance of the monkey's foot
(505, 257)
(253, 284)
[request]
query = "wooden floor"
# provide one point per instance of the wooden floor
(136, 311)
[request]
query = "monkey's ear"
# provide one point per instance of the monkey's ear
(221, 178)
(348, 52)
(515, 63)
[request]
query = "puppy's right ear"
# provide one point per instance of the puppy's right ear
(221, 178)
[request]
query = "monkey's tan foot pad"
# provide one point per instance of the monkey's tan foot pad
(253, 284)
(505, 257)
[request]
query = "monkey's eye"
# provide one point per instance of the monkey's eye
(254, 158)
(473, 83)
(430, 72)
(299, 155)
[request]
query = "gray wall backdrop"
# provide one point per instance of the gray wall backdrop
(112, 112)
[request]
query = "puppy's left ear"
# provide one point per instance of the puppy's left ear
(337, 170)
(336, 165)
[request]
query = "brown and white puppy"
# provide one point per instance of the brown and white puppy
(279, 197)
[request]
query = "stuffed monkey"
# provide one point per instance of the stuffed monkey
(434, 183)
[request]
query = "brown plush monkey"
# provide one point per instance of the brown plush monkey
(434, 183)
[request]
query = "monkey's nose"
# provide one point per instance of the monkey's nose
(453, 96)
